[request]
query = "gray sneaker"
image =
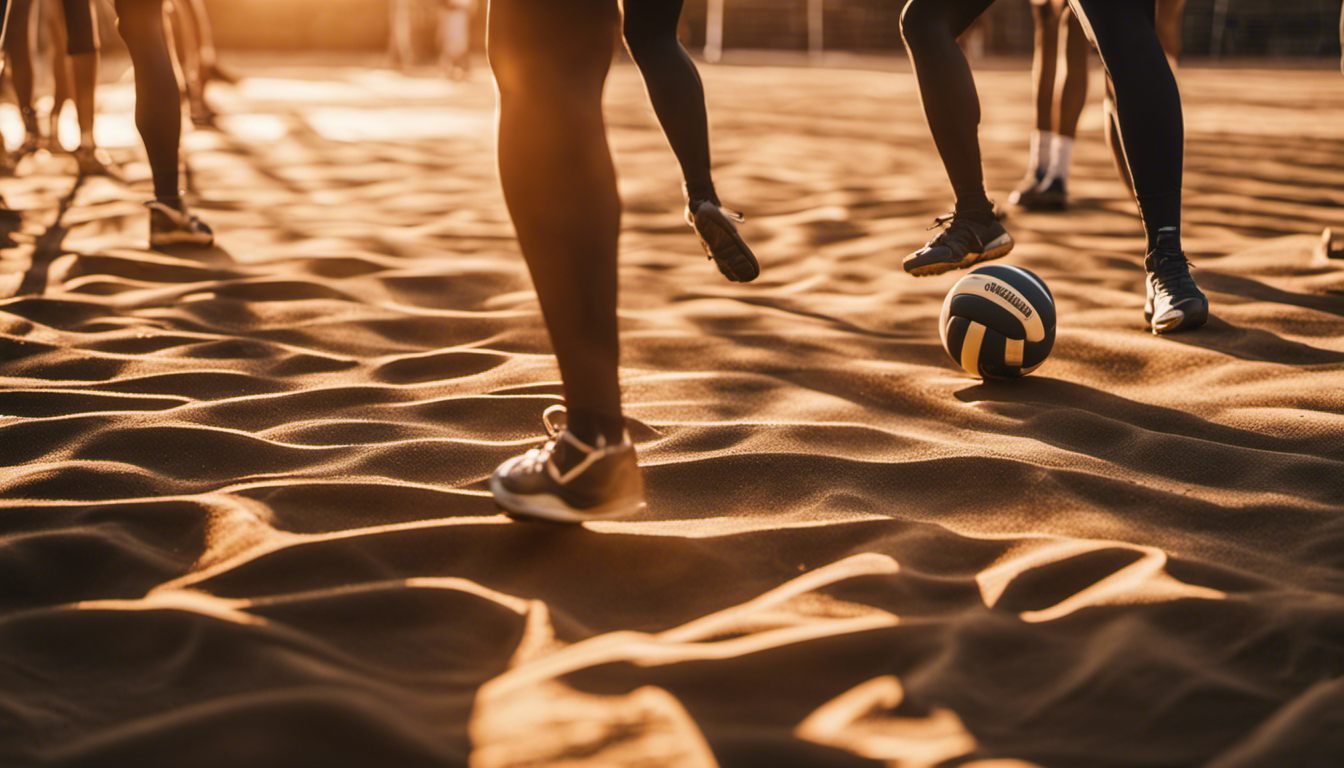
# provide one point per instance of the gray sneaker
(568, 481)
(962, 243)
(173, 226)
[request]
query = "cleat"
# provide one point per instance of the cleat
(176, 226)
(1174, 302)
(962, 242)
(715, 227)
(569, 481)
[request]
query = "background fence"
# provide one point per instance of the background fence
(1234, 28)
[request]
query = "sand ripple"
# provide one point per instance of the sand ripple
(245, 517)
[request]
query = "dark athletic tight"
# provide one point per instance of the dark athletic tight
(650, 29)
(1148, 104)
(158, 108)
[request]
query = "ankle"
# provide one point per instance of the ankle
(174, 202)
(593, 427)
(1164, 238)
(978, 215)
(700, 192)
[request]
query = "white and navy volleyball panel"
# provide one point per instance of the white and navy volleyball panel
(999, 321)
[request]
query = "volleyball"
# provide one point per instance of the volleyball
(998, 322)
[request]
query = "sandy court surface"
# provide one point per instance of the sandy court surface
(244, 514)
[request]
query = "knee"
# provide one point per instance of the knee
(1044, 13)
(543, 64)
(138, 19)
(919, 23)
(644, 38)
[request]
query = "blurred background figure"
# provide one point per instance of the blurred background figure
(74, 50)
(1059, 93)
(401, 29)
(451, 21)
(195, 47)
(73, 29)
(455, 37)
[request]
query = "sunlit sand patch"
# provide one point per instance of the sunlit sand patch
(1143, 581)
(528, 716)
(286, 91)
(256, 126)
(860, 721)
(225, 609)
(791, 613)
(396, 123)
(554, 725)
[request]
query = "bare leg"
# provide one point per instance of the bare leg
(1067, 101)
(951, 104)
(185, 26)
(1044, 56)
(400, 50)
(550, 62)
(63, 74)
(1169, 17)
(18, 52)
(1072, 91)
(205, 42)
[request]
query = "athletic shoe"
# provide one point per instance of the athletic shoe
(202, 115)
(715, 227)
(93, 161)
(597, 482)
(1051, 197)
(32, 135)
(1029, 182)
(173, 226)
(1174, 302)
(962, 242)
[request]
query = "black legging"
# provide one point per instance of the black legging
(650, 30)
(1148, 103)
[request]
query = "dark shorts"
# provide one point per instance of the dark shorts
(81, 30)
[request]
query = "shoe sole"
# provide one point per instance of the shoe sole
(1043, 206)
(550, 509)
(970, 259)
(1177, 319)
(721, 242)
(183, 239)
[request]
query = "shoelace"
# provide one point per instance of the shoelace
(1172, 270)
(535, 459)
(952, 233)
(694, 205)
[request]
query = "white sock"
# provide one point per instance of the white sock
(1061, 156)
(1040, 151)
